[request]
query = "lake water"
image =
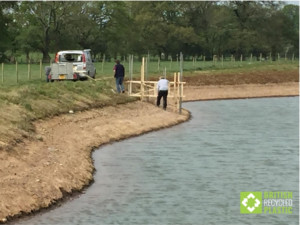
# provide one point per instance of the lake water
(193, 173)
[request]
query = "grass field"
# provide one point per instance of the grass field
(11, 74)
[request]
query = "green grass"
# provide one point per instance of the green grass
(154, 69)
(25, 98)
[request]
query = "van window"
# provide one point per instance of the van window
(88, 54)
(70, 58)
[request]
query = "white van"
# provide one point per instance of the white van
(72, 65)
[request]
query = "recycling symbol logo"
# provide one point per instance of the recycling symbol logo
(251, 202)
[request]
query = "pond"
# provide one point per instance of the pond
(194, 173)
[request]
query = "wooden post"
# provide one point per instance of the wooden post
(194, 62)
(222, 59)
(175, 79)
(103, 60)
(293, 57)
(2, 73)
(146, 69)
(270, 57)
(178, 92)
(142, 78)
(158, 64)
(175, 92)
(180, 80)
(285, 57)
(17, 75)
(131, 68)
(130, 75)
(41, 65)
(241, 59)
(260, 57)
(278, 57)
(29, 75)
(251, 57)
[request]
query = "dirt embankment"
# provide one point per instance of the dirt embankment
(242, 85)
(38, 173)
(241, 78)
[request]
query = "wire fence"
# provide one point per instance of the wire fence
(12, 73)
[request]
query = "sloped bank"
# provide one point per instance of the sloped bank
(59, 161)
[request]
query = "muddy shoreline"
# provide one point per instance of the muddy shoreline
(57, 165)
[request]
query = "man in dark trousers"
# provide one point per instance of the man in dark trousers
(162, 88)
(119, 73)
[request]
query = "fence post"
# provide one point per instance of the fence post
(180, 80)
(158, 64)
(103, 60)
(17, 71)
(29, 75)
(130, 73)
(260, 57)
(2, 73)
(222, 58)
(142, 78)
(41, 69)
(175, 92)
(194, 62)
(285, 58)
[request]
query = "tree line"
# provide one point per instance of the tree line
(163, 28)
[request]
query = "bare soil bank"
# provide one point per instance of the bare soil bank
(250, 84)
(212, 92)
(36, 174)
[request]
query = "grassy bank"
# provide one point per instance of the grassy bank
(28, 101)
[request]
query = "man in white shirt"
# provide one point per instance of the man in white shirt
(162, 88)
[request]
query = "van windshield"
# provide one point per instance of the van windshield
(70, 58)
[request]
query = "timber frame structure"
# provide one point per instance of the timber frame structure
(148, 89)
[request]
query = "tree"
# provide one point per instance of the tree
(46, 21)
(120, 28)
(291, 27)
(5, 20)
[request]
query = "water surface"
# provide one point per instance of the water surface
(193, 173)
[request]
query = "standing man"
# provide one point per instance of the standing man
(162, 88)
(119, 73)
